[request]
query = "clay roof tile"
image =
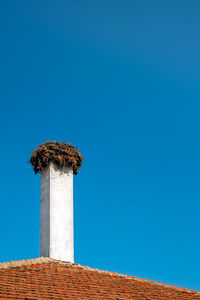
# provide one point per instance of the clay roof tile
(46, 278)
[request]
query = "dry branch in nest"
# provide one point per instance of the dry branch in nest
(62, 154)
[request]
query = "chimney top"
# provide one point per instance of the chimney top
(62, 154)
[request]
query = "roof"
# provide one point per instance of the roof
(46, 278)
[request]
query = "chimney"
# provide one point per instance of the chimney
(57, 162)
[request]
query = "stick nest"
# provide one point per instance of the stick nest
(62, 154)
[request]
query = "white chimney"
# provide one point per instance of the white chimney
(56, 162)
(56, 213)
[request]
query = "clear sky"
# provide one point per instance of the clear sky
(120, 80)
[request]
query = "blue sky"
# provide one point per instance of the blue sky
(120, 80)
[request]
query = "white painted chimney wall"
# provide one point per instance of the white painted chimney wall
(56, 213)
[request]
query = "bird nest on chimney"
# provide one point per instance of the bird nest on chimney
(62, 154)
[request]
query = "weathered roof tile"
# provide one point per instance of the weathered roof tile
(46, 278)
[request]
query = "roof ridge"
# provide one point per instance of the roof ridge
(27, 262)
(133, 278)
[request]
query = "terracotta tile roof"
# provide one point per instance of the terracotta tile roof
(45, 278)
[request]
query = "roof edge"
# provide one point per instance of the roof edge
(25, 262)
